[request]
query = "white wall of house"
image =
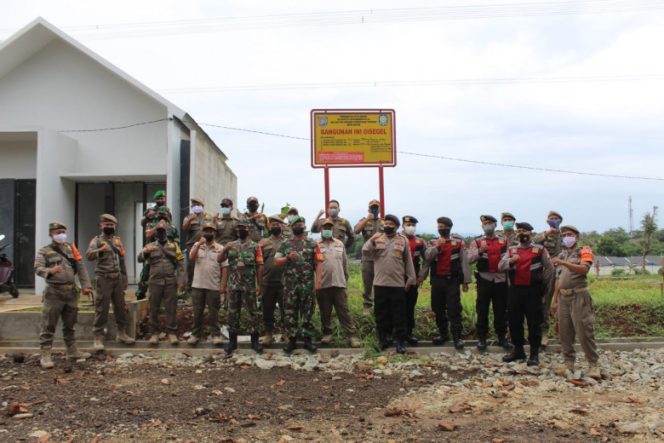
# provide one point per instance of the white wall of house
(18, 159)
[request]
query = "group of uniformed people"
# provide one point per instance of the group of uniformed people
(258, 263)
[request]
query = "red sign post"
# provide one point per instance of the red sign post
(353, 138)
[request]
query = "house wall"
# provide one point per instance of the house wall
(18, 159)
(60, 88)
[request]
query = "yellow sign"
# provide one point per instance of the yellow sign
(352, 138)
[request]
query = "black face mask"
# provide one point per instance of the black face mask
(208, 237)
(389, 230)
(374, 210)
(298, 231)
(108, 230)
(444, 232)
(524, 238)
(158, 204)
(275, 230)
(242, 233)
(253, 207)
(161, 236)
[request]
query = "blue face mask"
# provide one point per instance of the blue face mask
(225, 211)
(554, 223)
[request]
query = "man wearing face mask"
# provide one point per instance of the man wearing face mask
(529, 268)
(273, 289)
(288, 212)
(226, 223)
(206, 285)
(417, 247)
(334, 280)
(257, 220)
(108, 252)
(167, 275)
(341, 230)
(572, 302)
(507, 220)
(394, 275)
(552, 242)
(59, 263)
(302, 260)
(244, 280)
(491, 283)
(446, 257)
(369, 226)
(191, 226)
(160, 198)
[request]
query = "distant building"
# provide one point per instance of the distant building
(79, 137)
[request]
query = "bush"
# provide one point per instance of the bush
(617, 272)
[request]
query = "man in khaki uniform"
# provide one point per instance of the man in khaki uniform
(507, 220)
(226, 224)
(59, 263)
(107, 250)
(341, 230)
(333, 283)
(551, 241)
(573, 302)
(166, 275)
(206, 285)
(369, 226)
(192, 228)
(273, 288)
(393, 265)
(257, 220)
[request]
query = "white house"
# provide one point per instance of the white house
(79, 137)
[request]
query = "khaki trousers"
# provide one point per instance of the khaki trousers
(109, 290)
(59, 301)
(576, 318)
(337, 298)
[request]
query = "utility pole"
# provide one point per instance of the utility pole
(631, 215)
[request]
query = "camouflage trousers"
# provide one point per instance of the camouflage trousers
(244, 300)
(299, 307)
(59, 301)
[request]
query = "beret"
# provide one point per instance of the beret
(488, 218)
(160, 193)
(393, 218)
(445, 220)
(524, 225)
(409, 219)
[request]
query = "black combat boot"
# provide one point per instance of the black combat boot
(401, 347)
(412, 341)
(481, 343)
(384, 341)
(504, 343)
(458, 343)
(255, 345)
(232, 343)
(517, 354)
(534, 357)
(291, 345)
(309, 346)
(440, 340)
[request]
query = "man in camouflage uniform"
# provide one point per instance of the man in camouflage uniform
(111, 272)
(257, 220)
(226, 223)
(243, 283)
(551, 241)
(301, 257)
(273, 289)
(59, 263)
(341, 230)
(369, 226)
(573, 303)
(507, 220)
(288, 212)
(206, 285)
(192, 229)
(166, 275)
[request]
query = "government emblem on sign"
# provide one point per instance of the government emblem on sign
(322, 121)
(383, 120)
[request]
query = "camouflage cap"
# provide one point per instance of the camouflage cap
(524, 225)
(158, 194)
(409, 219)
(107, 218)
(488, 218)
(505, 215)
(555, 214)
(374, 202)
(296, 219)
(570, 228)
(197, 200)
(56, 225)
(209, 225)
(244, 222)
(276, 218)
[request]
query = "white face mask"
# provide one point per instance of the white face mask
(409, 230)
(197, 209)
(60, 238)
(569, 241)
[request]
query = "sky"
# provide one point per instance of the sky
(562, 85)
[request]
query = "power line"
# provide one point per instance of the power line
(116, 128)
(272, 134)
(368, 16)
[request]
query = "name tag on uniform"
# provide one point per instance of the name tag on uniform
(535, 250)
(397, 252)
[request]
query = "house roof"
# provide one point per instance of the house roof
(37, 34)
